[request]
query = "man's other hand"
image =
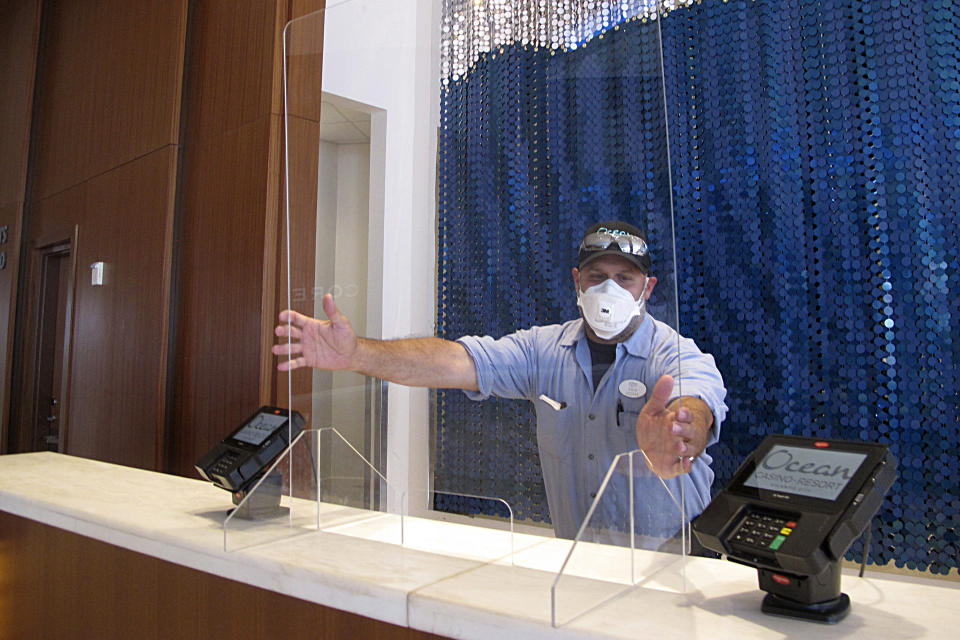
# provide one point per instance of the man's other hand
(321, 344)
(669, 438)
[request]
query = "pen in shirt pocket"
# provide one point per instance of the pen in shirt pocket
(557, 406)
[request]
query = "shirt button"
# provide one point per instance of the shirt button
(592, 416)
(590, 456)
(593, 494)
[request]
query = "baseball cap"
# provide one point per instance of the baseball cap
(615, 238)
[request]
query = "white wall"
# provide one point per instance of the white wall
(384, 54)
(343, 178)
(325, 265)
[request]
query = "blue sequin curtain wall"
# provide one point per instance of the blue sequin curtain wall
(815, 152)
(534, 148)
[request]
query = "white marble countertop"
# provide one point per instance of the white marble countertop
(450, 579)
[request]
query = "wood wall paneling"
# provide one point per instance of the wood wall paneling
(274, 264)
(104, 160)
(119, 329)
(111, 79)
(219, 326)
(19, 34)
(19, 30)
(123, 90)
(304, 64)
(10, 217)
(231, 244)
(304, 49)
(292, 11)
(303, 153)
(57, 584)
(230, 80)
(300, 111)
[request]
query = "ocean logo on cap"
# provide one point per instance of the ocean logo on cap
(613, 232)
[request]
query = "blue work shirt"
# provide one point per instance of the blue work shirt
(579, 442)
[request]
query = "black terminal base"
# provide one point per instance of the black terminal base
(806, 597)
(829, 612)
(262, 503)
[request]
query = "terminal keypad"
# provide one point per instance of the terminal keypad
(224, 464)
(763, 531)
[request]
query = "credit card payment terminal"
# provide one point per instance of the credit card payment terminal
(792, 510)
(237, 461)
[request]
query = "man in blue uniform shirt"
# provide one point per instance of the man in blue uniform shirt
(602, 385)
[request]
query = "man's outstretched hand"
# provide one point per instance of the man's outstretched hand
(321, 344)
(670, 436)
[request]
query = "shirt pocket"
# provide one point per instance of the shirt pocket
(628, 419)
(627, 433)
(554, 437)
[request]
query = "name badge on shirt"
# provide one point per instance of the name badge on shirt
(633, 389)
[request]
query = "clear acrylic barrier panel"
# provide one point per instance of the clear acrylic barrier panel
(459, 538)
(547, 126)
(515, 145)
(636, 534)
(327, 147)
(299, 494)
(336, 137)
(322, 483)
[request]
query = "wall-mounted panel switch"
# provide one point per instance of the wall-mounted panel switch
(96, 274)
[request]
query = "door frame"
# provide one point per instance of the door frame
(21, 439)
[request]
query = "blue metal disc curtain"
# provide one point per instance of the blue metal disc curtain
(814, 152)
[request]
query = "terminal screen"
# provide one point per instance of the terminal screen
(814, 473)
(260, 428)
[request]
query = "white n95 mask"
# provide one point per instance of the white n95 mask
(608, 308)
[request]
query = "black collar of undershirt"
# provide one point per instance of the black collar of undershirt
(601, 357)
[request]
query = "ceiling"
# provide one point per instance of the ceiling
(343, 124)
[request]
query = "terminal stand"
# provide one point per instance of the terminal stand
(816, 598)
(260, 501)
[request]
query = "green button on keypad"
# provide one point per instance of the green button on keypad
(777, 542)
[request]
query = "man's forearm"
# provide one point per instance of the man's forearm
(416, 362)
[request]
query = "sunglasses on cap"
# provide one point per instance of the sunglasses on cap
(627, 243)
